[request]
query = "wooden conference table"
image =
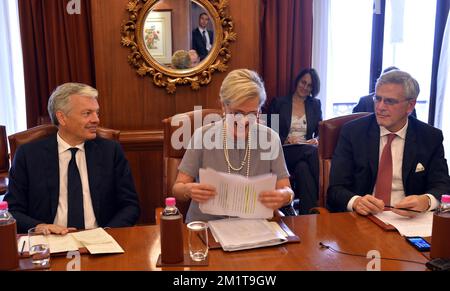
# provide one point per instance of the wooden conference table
(347, 232)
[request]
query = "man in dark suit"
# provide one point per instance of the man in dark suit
(389, 158)
(202, 38)
(73, 179)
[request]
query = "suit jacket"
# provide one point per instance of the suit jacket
(199, 45)
(366, 104)
(33, 190)
(354, 165)
(283, 107)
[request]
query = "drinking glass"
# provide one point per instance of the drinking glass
(39, 247)
(198, 240)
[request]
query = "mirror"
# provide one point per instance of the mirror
(178, 42)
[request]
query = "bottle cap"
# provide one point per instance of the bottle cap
(445, 199)
(3, 205)
(170, 201)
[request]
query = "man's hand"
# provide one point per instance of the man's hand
(275, 199)
(413, 202)
(54, 229)
(200, 192)
(368, 205)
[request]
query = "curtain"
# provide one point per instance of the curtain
(12, 95)
(321, 16)
(286, 38)
(57, 48)
(442, 11)
(442, 113)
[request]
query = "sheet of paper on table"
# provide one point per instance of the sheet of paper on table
(97, 241)
(420, 225)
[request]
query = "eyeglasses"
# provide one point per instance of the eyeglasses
(388, 101)
(243, 114)
(305, 84)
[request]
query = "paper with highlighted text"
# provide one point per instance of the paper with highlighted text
(237, 195)
(97, 241)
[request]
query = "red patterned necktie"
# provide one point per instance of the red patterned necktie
(383, 186)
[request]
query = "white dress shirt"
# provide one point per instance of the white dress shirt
(64, 159)
(208, 41)
(397, 148)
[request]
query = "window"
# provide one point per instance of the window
(12, 90)
(350, 29)
(408, 41)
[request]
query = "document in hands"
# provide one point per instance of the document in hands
(235, 234)
(97, 241)
(237, 195)
(419, 225)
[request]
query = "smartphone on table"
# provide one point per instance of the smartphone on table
(419, 243)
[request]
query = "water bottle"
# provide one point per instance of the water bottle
(9, 257)
(445, 204)
(171, 234)
(441, 230)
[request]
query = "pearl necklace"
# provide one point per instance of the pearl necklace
(247, 152)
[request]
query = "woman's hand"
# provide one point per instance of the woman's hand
(200, 192)
(313, 141)
(276, 198)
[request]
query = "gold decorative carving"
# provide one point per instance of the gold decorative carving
(169, 78)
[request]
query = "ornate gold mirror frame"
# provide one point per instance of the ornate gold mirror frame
(169, 78)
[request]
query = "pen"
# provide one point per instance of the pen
(23, 247)
(405, 209)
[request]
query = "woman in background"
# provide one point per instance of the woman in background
(299, 114)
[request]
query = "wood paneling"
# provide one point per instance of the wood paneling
(135, 106)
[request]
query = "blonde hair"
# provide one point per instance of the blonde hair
(59, 100)
(181, 60)
(241, 85)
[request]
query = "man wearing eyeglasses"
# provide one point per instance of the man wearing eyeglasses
(389, 159)
(366, 104)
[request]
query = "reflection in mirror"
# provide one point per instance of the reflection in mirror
(174, 28)
(178, 42)
(203, 31)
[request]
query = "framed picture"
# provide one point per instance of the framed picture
(158, 35)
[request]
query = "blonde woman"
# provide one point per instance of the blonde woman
(242, 94)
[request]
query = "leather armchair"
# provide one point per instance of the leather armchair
(172, 157)
(42, 131)
(4, 161)
(329, 131)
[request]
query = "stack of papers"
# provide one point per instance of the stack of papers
(96, 241)
(236, 194)
(420, 225)
(235, 234)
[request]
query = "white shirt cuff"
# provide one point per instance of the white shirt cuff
(350, 203)
(434, 202)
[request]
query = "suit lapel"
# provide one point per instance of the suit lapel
(374, 148)
(93, 163)
(52, 173)
(409, 152)
(286, 115)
